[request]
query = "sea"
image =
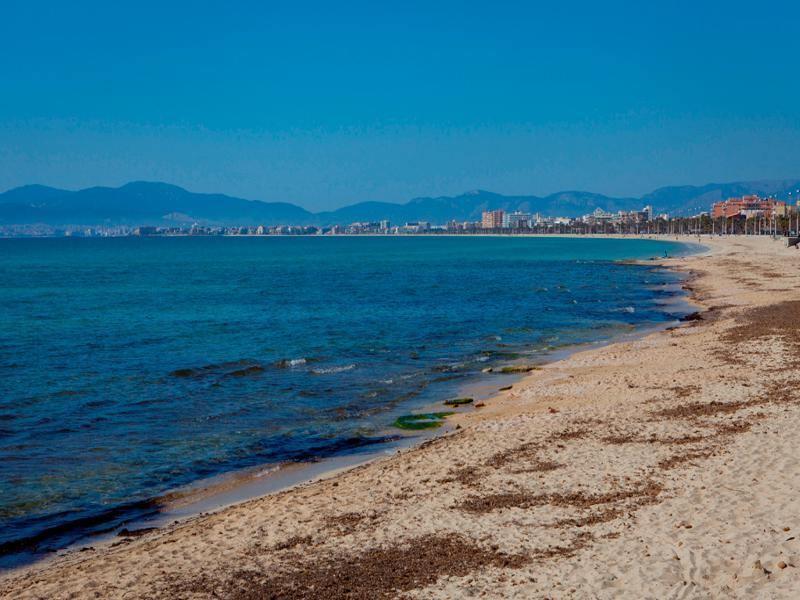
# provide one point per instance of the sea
(130, 367)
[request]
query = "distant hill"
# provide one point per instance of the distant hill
(145, 203)
(469, 206)
(139, 203)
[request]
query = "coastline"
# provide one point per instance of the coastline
(223, 490)
(530, 412)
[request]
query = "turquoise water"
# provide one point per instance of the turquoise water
(132, 366)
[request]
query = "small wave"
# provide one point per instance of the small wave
(626, 309)
(448, 368)
(329, 370)
(247, 371)
(97, 403)
(288, 363)
(268, 471)
(236, 368)
(518, 330)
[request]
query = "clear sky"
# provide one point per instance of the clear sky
(328, 103)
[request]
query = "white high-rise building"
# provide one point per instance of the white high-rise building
(517, 220)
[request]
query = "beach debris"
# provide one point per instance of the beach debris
(568, 434)
(505, 388)
(684, 391)
(381, 572)
(421, 421)
(458, 401)
(293, 541)
(695, 316)
(125, 532)
(347, 523)
(686, 457)
(759, 567)
(645, 494)
(511, 369)
(468, 476)
(782, 565)
(480, 405)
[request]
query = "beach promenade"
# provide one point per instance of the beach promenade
(664, 467)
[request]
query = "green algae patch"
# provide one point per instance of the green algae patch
(421, 421)
(458, 401)
(501, 354)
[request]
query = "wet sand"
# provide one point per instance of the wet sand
(658, 467)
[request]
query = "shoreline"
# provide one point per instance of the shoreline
(229, 489)
(641, 235)
(530, 406)
(222, 491)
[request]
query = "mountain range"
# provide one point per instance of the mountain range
(148, 203)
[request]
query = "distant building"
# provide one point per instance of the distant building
(145, 231)
(517, 220)
(598, 217)
(416, 227)
(747, 206)
(634, 216)
(782, 209)
(492, 219)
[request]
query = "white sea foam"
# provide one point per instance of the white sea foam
(268, 471)
(328, 370)
(627, 309)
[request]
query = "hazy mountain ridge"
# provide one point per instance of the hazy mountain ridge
(146, 203)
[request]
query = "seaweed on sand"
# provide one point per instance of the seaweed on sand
(421, 421)
(458, 401)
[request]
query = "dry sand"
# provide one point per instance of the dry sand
(665, 467)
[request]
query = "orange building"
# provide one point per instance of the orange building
(747, 206)
(492, 219)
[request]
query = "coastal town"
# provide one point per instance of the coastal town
(750, 214)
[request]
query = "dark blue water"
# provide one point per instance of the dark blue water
(132, 366)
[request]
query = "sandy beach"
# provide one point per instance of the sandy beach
(664, 467)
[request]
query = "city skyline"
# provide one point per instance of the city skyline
(36, 210)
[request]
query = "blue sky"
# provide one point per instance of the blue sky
(324, 104)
